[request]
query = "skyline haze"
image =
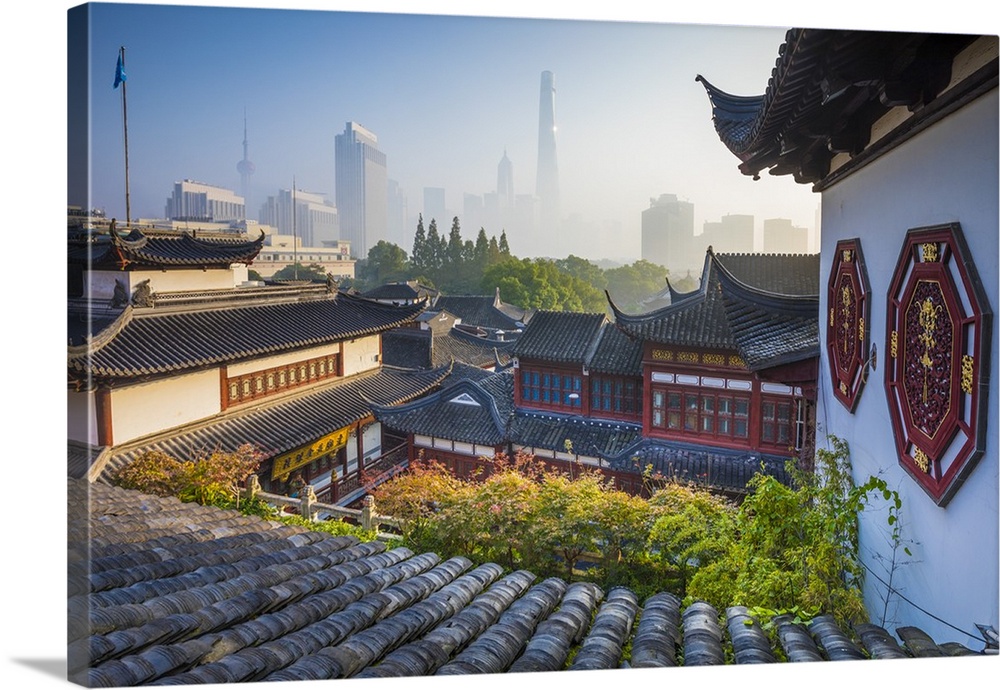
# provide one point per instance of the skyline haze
(447, 97)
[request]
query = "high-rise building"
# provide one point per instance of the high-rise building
(362, 188)
(245, 167)
(314, 222)
(668, 234)
(397, 230)
(434, 206)
(733, 234)
(781, 237)
(197, 201)
(505, 182)
(547, 179)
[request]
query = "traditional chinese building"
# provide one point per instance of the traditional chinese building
(172, 350)
(710, 389)
(898, 134)
(733, 363)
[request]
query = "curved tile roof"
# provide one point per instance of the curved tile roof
(484, 311)
(116, 251)
(560, 336)
(286, 423)
(764, 306)
(825, 91)
(464, 412)
(146, 343)
(720, 468)
(169, 593)
(412, 348)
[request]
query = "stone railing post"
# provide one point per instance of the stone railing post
(306, 500)
(369, 518)
(252, 487)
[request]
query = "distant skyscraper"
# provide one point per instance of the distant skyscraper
(781, 237)
(397, 230)
(668, 235)
(245, 167)
(315, 220)
(434, 207)
(505, 181)
(362, 188)
(547, 180)
(731, 235)
(197, 201)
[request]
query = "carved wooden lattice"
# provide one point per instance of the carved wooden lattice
(938, 324)
(848, 299)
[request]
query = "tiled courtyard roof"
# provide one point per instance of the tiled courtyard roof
(822, 76)
(764, 306)
(287, 423)
(167, 593)
(150, 342)
(174, 250)
(718, 468)
(560, 336)
(589, 437)
(462, 412)
(402, 292)
(616, 353)
(484, 311)
(413, 348)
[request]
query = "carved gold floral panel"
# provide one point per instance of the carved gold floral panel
(847, 336)
(937, 341)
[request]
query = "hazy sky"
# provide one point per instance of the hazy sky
(445, 95)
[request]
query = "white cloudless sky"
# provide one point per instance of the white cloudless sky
(654, 112)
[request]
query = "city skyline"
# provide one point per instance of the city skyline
(633, 123)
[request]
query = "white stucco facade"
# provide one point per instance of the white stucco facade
(361, 354)
(945, 174)
(153, 406)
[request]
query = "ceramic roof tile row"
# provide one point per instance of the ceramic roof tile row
(250, 600)
(282, 425)
(155, 343)
(152, 250)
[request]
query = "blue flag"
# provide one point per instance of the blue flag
(119, 72)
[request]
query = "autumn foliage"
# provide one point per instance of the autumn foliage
(208, 478)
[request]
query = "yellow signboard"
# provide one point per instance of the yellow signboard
(288, 462)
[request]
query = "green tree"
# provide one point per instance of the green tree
(503, 246)
(539, 284)
(297, 271)
(796, 548)
(629, 284)
(386, 263)
(418, 257)
(584, 270)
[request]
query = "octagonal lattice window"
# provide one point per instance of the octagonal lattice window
(938, 325)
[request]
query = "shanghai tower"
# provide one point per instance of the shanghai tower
(547, 180)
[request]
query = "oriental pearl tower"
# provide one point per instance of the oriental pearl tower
(246, 168)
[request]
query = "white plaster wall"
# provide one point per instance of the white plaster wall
(148, 407)
(372, 440)
(947, 173)
(101, 284)
(361, 354)
(280, 360)
(81, 422)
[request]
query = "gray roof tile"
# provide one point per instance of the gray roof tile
(163, 592)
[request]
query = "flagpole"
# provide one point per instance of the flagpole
(128, 211)
(295, 243)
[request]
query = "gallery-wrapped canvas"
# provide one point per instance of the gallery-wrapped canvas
(410, 345)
